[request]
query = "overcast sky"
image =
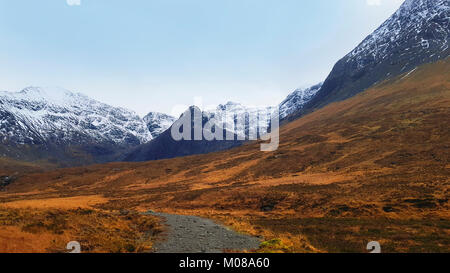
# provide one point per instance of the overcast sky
(150, 55)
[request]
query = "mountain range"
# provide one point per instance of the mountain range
(60, 126)
(57, 125)
(223, 117)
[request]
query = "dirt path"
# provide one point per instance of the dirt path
(191, 234)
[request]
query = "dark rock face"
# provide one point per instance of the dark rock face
(417, 33)
(164, 146)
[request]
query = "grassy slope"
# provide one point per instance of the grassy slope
(373, 167)
(49, 230)
(11, 167)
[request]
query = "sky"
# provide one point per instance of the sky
(155, 55)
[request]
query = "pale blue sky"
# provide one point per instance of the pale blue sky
(150, 55)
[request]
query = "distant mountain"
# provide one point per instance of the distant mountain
(225, 116)
(417, 33)
(157, 123)
(66, 128)
(164, 146)
(256, 118)
(297, 99)
(56, 124)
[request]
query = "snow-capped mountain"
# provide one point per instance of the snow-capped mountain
(224, 117)
(252, 118)
(35, 115)
(157, 123)
(417, 33)
(59, 120)
(297, 99)
(419, 27)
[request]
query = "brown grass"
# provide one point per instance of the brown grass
(49, 230)
(58, 203)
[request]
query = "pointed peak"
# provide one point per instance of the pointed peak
(420, 5)
(154, 115)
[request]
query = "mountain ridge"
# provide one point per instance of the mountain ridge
(417, 33)
(158, 122)
(56, 124)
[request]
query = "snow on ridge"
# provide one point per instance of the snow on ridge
(408, 22)
(297, 99)
(258, 117)
(226, 117)
(40, 114)
(44, 113)
(157, 123)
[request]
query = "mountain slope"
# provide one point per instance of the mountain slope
(39, 123)
(297, 99)
(417, 33)
(157, 123)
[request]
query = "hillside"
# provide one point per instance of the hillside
(417, 33)
(372, 167)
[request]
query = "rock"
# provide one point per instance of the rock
(267, 208)
(6, 180)
(124, 212)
